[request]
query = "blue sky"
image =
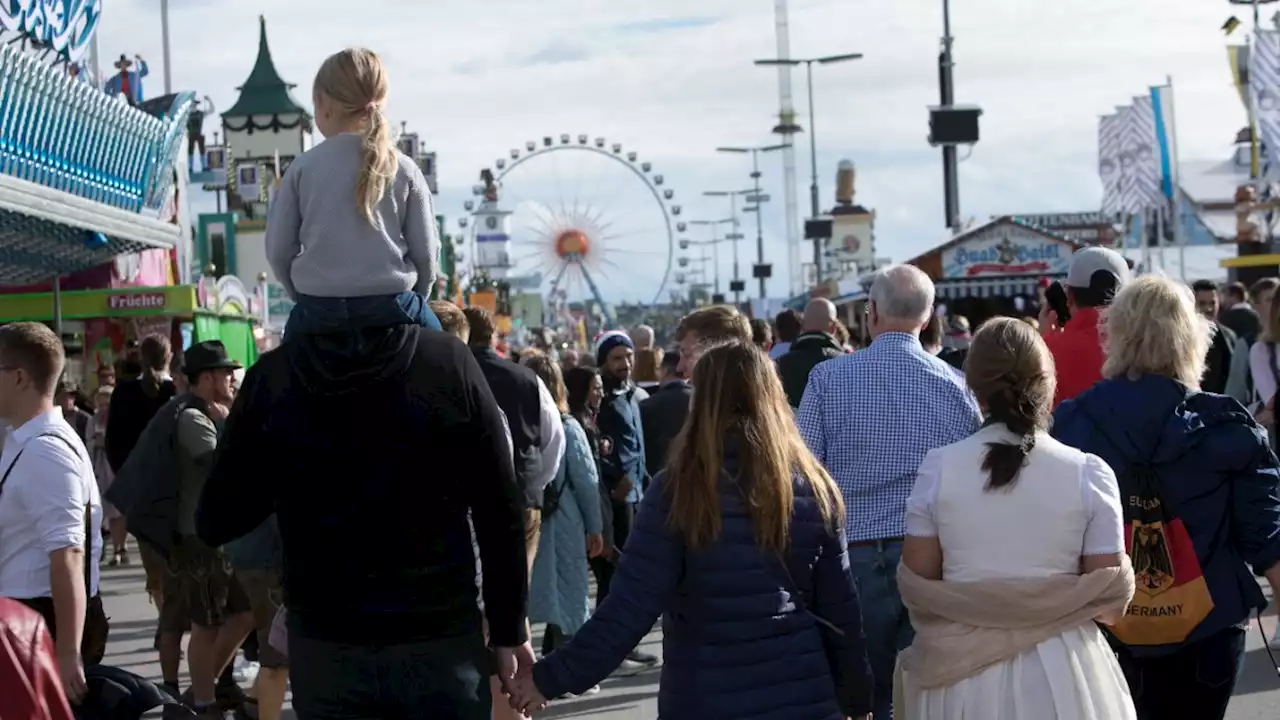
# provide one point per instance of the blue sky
(673, 79)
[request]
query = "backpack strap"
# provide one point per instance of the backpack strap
(88, 509)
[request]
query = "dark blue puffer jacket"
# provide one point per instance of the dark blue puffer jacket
(735, 646)
(1217, 471)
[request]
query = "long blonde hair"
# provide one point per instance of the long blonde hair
(356, 81)
(739, 397)
(1152, 328)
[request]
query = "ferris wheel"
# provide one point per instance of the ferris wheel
(588, 219)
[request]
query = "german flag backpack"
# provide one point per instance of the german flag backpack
(1171, 598)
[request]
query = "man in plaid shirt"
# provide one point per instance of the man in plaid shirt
(870, 417)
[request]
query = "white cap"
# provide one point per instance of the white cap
(1086, 262)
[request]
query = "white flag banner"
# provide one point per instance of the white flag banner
(1139, 153)
(1264, 87)
(1109, 132)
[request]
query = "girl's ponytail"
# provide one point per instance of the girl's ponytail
(378, 165)
(356, 81)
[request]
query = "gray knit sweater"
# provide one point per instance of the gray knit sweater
(319, 242)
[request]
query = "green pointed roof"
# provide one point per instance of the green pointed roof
(264, 92)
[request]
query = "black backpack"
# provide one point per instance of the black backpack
(551, 495)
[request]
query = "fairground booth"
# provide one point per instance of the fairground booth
(87, 177)
(996, 268)
(101, 324)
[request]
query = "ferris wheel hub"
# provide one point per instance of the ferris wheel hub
(572, 243)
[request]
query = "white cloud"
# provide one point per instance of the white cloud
(672, 79)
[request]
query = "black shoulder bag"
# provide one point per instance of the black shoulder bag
(93, 644)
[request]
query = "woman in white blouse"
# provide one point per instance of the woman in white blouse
(1014, 548)
(1264, 367)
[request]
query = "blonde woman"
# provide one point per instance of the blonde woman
(351, 231)
(1005, 630)
(1204, 467)
(739, 546)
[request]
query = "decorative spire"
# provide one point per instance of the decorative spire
(265, 92)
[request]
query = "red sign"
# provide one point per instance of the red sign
(136, 301)
(1027, 269)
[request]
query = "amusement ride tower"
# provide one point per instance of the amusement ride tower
(787, 128)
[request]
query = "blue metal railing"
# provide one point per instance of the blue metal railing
(64, 134)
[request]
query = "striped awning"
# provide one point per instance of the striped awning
(986, 287)
(45, 233)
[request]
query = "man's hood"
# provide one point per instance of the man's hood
(1149, 419)
(339, 363)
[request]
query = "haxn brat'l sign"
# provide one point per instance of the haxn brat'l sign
(1006, 251)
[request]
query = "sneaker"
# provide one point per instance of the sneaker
(1274, 642)
(642, 658)
(115, 560)
(124, 557)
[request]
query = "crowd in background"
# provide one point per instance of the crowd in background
(1061, 517)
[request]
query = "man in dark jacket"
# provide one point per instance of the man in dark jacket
(1218, 362)
(664, 413)
(374, 446)
(1238, 314)
(537, 435)
(623, 471)
(816, 343)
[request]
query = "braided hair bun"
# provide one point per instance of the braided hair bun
(1011, 372)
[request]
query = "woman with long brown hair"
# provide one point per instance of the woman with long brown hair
(739, 545)
(645, 372)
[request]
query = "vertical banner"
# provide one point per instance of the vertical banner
(1264, 87)
(1166, 142)
(1140, 175)
(1109, 161)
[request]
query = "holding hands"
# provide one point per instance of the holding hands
(524, 694)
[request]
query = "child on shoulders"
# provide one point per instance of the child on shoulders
(351, 231)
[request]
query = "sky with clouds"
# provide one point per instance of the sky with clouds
(673, 79)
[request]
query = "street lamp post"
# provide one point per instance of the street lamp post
(814, 204)
(761, 271)
(714, 242)
(734, 237)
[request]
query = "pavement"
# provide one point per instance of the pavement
(627, 694)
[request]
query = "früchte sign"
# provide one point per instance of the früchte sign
(63, 26)
(1006, 251)
(136, 301)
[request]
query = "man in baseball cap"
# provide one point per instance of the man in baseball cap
(1094, 277)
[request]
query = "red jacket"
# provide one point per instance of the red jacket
(28, 669)
(1077, 353)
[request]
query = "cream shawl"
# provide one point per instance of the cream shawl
(963, 628)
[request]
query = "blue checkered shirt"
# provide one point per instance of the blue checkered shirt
(870, 417)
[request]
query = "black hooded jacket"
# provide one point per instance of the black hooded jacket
(372, 447)
(806, 352)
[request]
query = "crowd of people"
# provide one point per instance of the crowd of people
(1061, 518)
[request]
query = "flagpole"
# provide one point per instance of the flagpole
(164, 40)
(1179, 234)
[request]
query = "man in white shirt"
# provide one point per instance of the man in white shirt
(49, 504)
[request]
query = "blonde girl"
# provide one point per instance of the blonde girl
(351, 231)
